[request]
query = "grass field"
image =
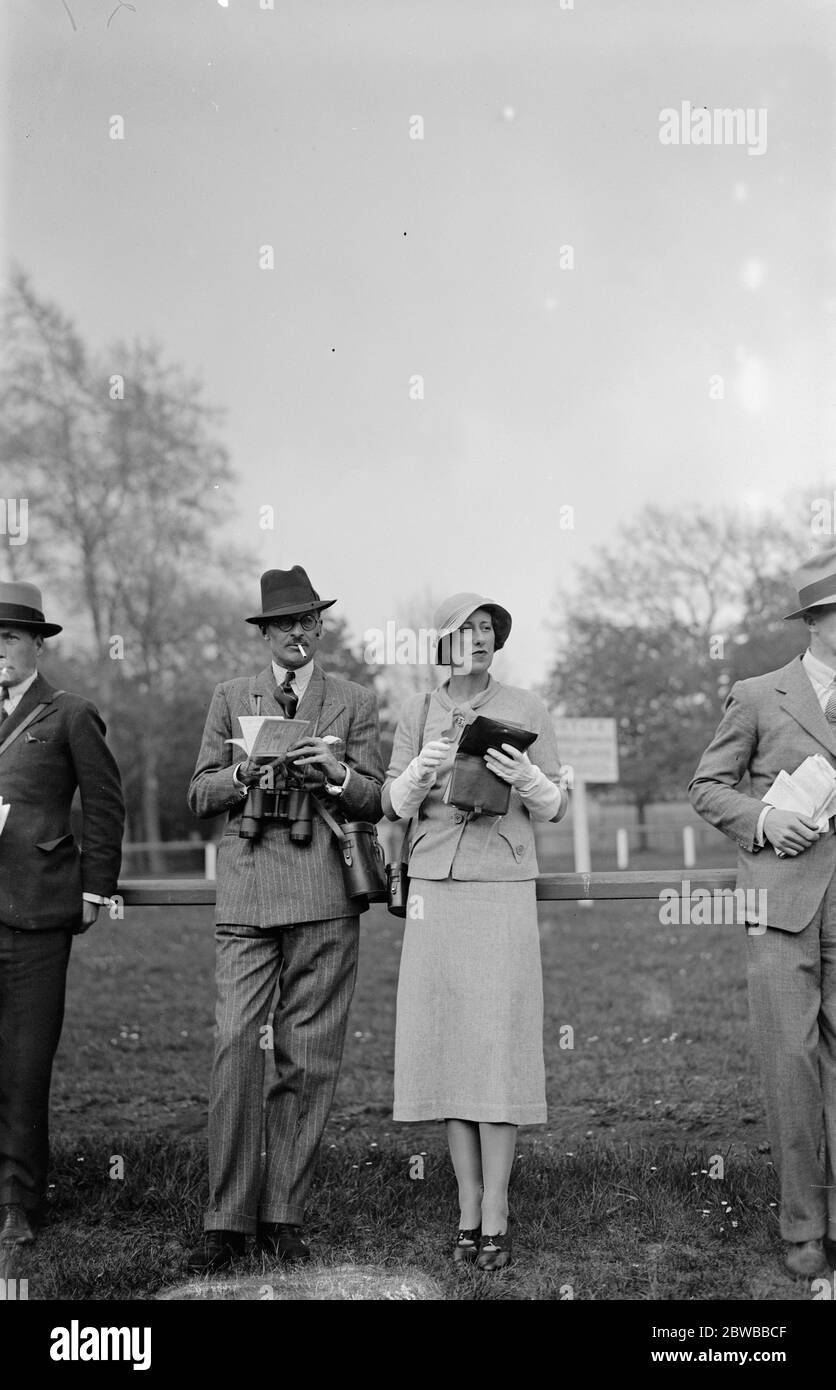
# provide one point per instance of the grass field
(612, 1199)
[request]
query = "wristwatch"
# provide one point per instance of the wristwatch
(332, 788)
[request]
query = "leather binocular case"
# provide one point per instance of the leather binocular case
(364, 867)
(397, 888)
(361, 857)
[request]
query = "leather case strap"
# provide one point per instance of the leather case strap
(24, 724)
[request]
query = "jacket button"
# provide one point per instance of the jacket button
(518, 849)
(458, 818)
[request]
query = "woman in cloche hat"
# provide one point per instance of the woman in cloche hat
(469, 1035)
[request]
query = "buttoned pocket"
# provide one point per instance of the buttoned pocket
(519, 846)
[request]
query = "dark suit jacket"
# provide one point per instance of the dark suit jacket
(43, 873)
(771, 723)
(273, 882)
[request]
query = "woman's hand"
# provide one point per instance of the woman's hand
(430, 758)
(512, 766)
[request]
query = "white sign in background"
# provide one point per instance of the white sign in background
(590, 746)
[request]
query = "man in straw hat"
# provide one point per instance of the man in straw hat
(283, 918)
(51, 744)
(771, 724)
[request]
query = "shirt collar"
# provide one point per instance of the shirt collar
(817, 670)
(16, 692)
(301, 676)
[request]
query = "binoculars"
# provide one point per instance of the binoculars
(290, 803)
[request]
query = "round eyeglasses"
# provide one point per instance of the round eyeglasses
(307, 622)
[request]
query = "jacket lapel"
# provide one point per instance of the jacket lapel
(332, 701)
(265, 686)
(320, 690)
(800, 700)
(40, 692)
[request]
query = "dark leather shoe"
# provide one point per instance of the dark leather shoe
(15, 1225)
(494, 1252)
(466, 1247)
(216, 1251)
(283, 1241)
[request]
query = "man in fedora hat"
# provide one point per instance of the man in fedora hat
(772, 723)
(51, 744)
(283, 918)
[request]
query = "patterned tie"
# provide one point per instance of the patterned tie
(830, 709)
(287, 696)
(4, 695)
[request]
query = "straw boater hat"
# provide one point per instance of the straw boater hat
(21, 605)
(815, 581)
(455, 610)
(284, 592)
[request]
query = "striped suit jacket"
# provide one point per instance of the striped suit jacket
(272, 882)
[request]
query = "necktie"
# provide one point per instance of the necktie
(4, 695)
(830, 709)
(287, 696)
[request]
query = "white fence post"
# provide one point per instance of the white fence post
(622, 848)
(689, 846)
(210, 858)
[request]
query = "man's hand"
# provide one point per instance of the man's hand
(789, 832)
(252, 771)
(89, 913)
(315, 752)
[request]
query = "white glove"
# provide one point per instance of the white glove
(408, 791)
(541, 798)
(429, 759)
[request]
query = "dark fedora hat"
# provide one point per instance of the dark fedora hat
(21, 605)
(815, 581)
(285, 592)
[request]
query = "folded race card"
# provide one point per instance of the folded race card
(4, 812)
(268, 735)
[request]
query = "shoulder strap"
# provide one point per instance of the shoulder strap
(421, 727)
(334, 826)
(33, 714)
(424, 712)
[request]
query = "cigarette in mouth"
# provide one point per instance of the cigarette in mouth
(301, 648)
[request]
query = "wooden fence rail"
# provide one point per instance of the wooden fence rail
(190, 892)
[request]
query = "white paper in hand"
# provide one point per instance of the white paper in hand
(5, 808)
(268, 735)
(809, 791)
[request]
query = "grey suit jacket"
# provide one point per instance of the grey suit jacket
(444, 841)
(272, 882)
(771, 722)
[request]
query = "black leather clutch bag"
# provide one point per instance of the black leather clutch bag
(472, 787)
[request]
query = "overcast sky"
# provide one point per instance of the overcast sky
(544, 387)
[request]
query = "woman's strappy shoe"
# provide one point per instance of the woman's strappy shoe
(494, 1252)
(467, 1246)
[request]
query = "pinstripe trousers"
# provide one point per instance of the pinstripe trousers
(314, 966)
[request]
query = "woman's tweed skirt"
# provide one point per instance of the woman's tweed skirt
(469, 1034)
